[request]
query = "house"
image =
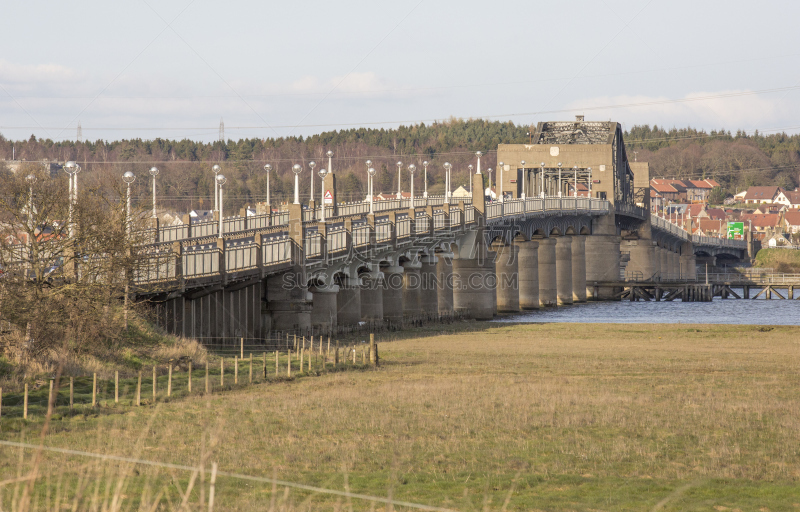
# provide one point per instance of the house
(665, 189)
(583, 190)
(768, 208)
(710, 227)
(656, 200)
(201, 215)
(761, 223)
(788, 198)
(692, 191)
(758, 195)
(460, 192)
(791, 221)
(776, 240)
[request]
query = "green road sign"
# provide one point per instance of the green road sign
(735, 230)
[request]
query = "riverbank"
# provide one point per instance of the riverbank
(533, 416)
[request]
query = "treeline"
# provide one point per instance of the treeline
(185, 180)
(737, 161)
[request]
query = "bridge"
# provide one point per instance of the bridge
(539, 245)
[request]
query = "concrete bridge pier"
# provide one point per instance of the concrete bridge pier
(563, 270)
(324, 312)
(474, 286)
(348, 301)
(429, 294)
(641, 264)
(444, 276)
(528, 265)
(674, 264)
(507, 267)
(548, 284)
(663, 264)
(688, 261)
(289, 302)
(579, 268)
(392, 293)
(372, 296)
(602, 264)
(412, 287)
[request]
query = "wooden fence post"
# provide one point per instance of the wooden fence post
(116, 386)
(235, 369)
(241, 349)
(94, 389)
(354, 354)
(277, 355)
(50, 401)
(222, 371)
(25, 403)
(138, 391)
(169, 380)
(207, 382)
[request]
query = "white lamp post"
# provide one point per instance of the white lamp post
(216, 169)
(128, 178)
(322, 173)
(369, 179)
(425, 180)
(541, 192)
(559, 179)
(371, 173)
(447, 168)
(469, 176)
(297, 169)
(399, 188)
(523, 179)
(312, 165)
(154, 173)
(329, 154)
(411, 169)
(220, 181)
(500, 181)
(268, 168)
(479, 154)
(72, 169)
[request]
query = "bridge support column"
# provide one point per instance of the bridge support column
(348, 301)
(372, 296)
(548, 284)
(641, 266)
(528, 275)
(474, 284)
(688, 261)
(662, 263)
(674, 265)
(564, 270)
(429, 294)
(579, 268)
(507, 266)
(289, 302)
(602, 264)
(324, 310)
(412, 288)
(393, 293)
(444, 276)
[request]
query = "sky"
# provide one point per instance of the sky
(175, 68)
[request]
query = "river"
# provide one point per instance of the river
(728, 311)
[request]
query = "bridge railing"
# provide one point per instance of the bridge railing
(276, 250)
(241, 255)
(200, 261)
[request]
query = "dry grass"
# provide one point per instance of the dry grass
(550, 417)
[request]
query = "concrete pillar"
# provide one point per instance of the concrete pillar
(641, 266)
(548, 284)
(528, 274)
(660, 262)
(392, 293)
(444, 276)
(507, 268)
(474, 283)
(429, 294)
(372, 296)
(674, 265)
(688, 261)
(324, 311)
(412, 288)
(564, 270)
(602, 264)
(289, 302)
(348, 301)
(579, 268)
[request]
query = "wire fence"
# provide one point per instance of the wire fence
(229, 366)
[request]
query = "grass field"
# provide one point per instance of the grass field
(487, 417)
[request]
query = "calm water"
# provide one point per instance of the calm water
(729, 311)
